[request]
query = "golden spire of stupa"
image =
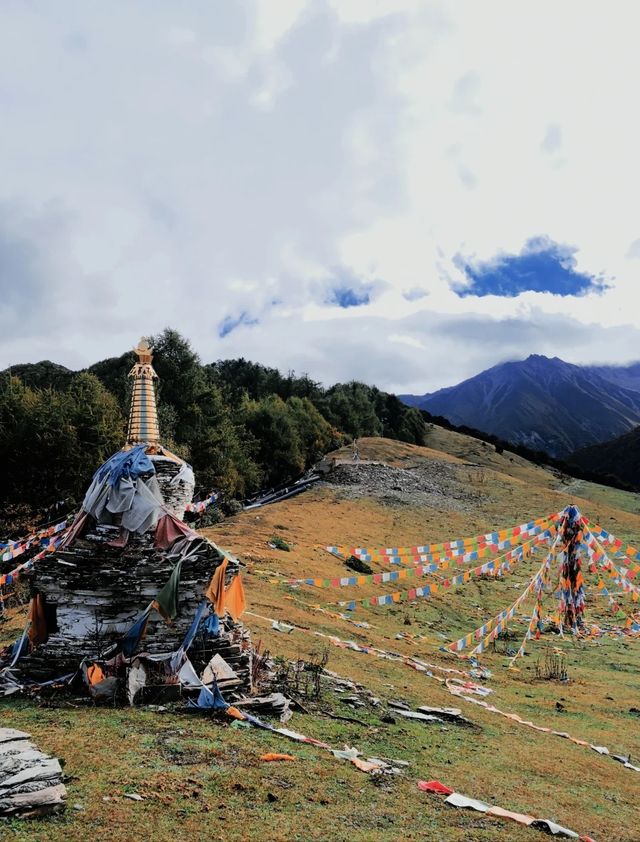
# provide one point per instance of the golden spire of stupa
(143, 418)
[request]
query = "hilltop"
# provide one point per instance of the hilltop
(207, 780)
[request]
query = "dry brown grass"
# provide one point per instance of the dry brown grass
(223, 793)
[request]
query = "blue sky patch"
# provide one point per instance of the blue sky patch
(345, 296)
(230, 323)
(541, 266)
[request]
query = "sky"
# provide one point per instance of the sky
(397, 191)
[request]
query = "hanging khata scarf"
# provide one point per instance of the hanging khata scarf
(38, 630)
(215, 592)
(235, 599)
(95, 674)
(77, 528)
(166, 602)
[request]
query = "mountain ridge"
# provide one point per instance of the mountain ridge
(543, 403)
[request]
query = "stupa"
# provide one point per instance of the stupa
(133, 588)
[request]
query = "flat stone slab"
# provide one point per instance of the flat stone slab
(7, 734)
(412, 714)
(30, 780)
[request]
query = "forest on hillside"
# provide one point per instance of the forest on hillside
(241, 425)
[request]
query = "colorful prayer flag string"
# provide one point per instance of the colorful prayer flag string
(426, 591)
(630, 555)
(13, 549)
(202, 504)
(600, 558)
(458, 555)
(409, 573)
(492, 628)
(14, 575)
(460, 546)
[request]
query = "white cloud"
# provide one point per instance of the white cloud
(182, 164)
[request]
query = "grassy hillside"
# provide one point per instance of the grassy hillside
(620, 457)
(202, 780)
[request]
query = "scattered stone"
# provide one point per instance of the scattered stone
(353, 701)
(423, 717)
(448, 715)
(445, 713)
(396, 703)
(276, 704)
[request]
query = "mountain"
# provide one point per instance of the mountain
(619, 458)
(545, 404)
(626, 376)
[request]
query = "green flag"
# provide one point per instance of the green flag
(166, 602)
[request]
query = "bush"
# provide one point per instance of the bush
(279, 544)
(357, 564)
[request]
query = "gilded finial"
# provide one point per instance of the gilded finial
(144, 351)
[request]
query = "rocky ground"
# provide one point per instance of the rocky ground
(440, 485)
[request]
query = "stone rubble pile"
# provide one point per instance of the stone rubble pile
(438, 484)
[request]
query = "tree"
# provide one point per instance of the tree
(181, 376)
(350, 408)
(315, 433)
(51, 442)
(279, 450)
(412, 427)
(221, 450)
